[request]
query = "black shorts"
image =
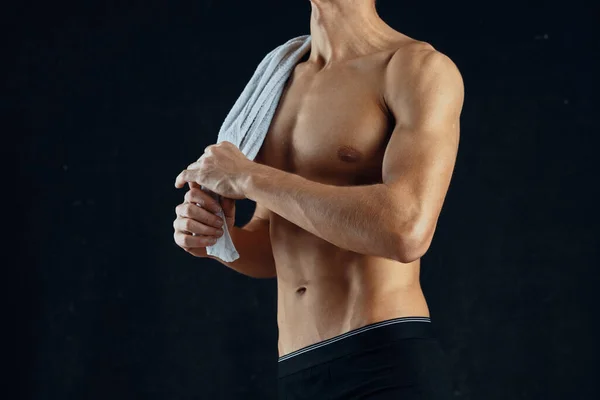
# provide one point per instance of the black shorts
(399, 358)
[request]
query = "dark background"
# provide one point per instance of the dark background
(108, 101)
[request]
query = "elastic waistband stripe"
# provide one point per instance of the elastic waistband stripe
(353, 332)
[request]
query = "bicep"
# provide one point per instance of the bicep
(422, 150)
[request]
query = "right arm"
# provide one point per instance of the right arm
(253, 243)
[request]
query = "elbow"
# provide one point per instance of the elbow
(412, 244)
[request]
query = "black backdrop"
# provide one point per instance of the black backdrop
(109, 101)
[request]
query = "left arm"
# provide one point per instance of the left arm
(395, 219)
(426, 97)
(350, 217)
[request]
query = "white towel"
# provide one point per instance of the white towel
(248, 121)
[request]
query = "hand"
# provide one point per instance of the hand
(223, 169)
(197, 223)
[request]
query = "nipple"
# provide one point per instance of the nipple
(349, 154)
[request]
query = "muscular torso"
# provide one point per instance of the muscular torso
(332, 126)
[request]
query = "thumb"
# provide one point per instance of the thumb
(193, 185)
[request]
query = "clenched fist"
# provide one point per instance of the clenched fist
(223, 169)
(197, 225)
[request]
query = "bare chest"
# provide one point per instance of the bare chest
(329, 127)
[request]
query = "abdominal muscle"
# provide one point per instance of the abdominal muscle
(324, 291)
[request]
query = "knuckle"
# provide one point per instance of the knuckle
(177, 238)
(207, 204)
(188, 225)
(187, 241)
(194, 194)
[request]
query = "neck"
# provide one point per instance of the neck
(344, 29)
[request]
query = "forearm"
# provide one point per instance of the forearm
(362, 219)
(254, 247)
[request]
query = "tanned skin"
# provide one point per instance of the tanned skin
(349, 182)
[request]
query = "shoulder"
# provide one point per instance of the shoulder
(416, 69)
(416, 59)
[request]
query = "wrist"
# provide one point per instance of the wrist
(249, 179)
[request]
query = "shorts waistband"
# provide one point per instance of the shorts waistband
(366, 337)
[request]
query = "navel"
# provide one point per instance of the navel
(349, 154)
(301, 290)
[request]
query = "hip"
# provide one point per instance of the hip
(388, 359)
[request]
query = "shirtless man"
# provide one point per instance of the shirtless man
(348, 184)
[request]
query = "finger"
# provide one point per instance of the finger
(197, 252)
(194, 165)
(185, 176)
(184, 239)
(194, 185)
(195, 227)
(198, 196)
(195, 212)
